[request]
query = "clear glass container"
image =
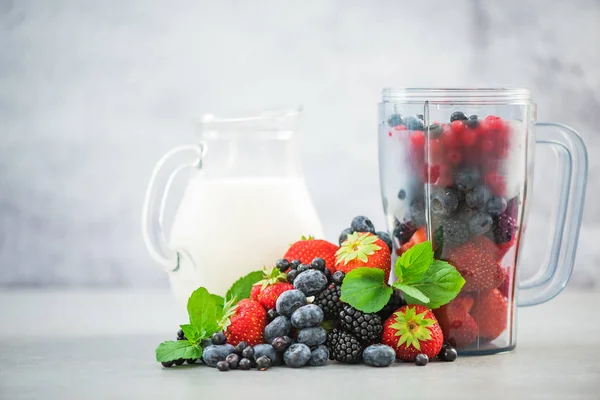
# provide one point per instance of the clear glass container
(458, 164)
(245, 201)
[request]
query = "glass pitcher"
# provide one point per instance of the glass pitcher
(244, 204)
(458, 164)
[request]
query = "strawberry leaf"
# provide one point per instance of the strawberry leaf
(242, 287)
(412, 293)
(174, 350)
(414, 262)
(366, 290)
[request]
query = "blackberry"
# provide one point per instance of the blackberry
(395, 302)
(366, 327)
(504, 228)
(343, 347)
(455, 232)
(403, 232)
(329, 301)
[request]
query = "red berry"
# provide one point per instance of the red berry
(457, 126)
(449, 138)
(486, 145)
(490, 118)
(390, 134)
(435, 148)
(400, 127)
(468, 137)
(497, 125)
(417, 138)
(496, 183)
(454, 157)
(434, 170)
(446, 178)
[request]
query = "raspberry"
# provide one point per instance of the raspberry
(449, 138)
(468, 137)
(417, 138)
(457, 126)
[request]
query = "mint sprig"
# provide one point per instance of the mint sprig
(421, 278)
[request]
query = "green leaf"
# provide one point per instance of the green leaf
(219, 300)
(191, 333)
(414, 262)
(242, 287)
(413, 293)
(204, 312)
(174, 350)
(441, 283)
(366, 290)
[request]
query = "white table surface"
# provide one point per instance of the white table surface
(100, 345)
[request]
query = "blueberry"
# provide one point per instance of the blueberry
(181, 335)
(318, 263)
(179, 361)
(478, 197)
(480, 223)
(272, 314)
(467, 178)
(205, 342)
(282, 264)
(458, 116)
(289, 301)
(473, 122)
(448, 354)
(421, 359)
(386, 238)
(379, 355)
(248, 353)
(302, 267)
(310, 282)
(395, 120)
(245, 364)
(223, 366)
(280, 326)
(435, 131)
(212, 354)
(266, 350)
(219, 338)
(344, 235)
(297, 355)
(263, 363)
(312, 336)
(421, 117)
(327, 273)
(233, 360)
(167, 364)
(295, 264)
(281, 343)
(307, 316)
(401, 194)
(362, 224)
(292, 275)
(496, 205)
(338, 277)
(240, 347)
(414, 123)
(443, 201)
(319, 356)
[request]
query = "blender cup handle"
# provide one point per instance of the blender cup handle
(572, 157)
(153, 209)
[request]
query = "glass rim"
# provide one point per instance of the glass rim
(457, 95)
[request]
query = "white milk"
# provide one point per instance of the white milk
(232, 226)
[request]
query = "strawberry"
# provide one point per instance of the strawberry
(267, 290)
(505, 287)
(269, 295)
(412, 330)
(505, 247)
(309, 248)
(363, 249)
(419, 236)
(490, 312)
(460, 329)
(477, 263)
(247, 323)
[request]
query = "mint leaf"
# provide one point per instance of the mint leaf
(174, 350)
(441, 283)
(366, 290)
(412, 293)
(414, 262)
(242, 287)
(191, 333)
(219, 300)
(204, 312)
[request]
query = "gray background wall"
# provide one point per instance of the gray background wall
(93, 92)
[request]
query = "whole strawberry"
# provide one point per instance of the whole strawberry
(267, 290)
(413, 330)
(247, 323)
(459, 328)
(310, 248)
(477, 262)
(491, 313)
(363, 249)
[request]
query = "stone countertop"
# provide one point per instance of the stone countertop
(100, 344)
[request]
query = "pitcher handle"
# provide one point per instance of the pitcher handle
(153, 209)
(552, 278)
